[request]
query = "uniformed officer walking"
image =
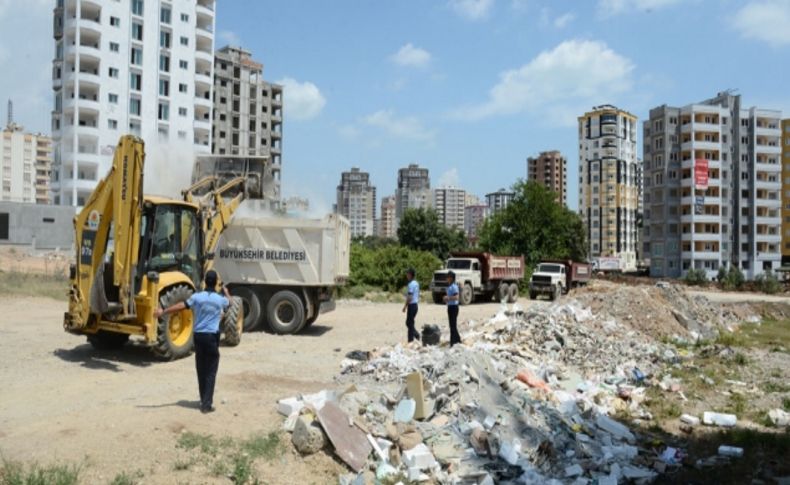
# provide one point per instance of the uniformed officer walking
(410, 306)
(451, 298)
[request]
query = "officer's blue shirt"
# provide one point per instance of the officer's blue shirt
(207, 307)
(413, 291)
(452, 290)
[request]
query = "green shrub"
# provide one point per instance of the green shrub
(730, 279)
(696, 277)
(385, 267)
(768, 283)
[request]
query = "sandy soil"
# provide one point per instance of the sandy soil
(123, 411)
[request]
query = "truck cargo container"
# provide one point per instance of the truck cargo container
(480, 276)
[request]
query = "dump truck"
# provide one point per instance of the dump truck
(554, 278)
(135, 252)
(285, 270)
(480, 276)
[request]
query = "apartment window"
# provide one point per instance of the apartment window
(112, 124)
(134, 106)
(164, 111)
(164, 15)
(164, 63)
(112, 98)
(222, 134)
(182, 135)
(223, 100)
(137, 56)
(744, 122)
(137, 31)
(137, 7)
(113, 72)
(115, 21)
(184, 40)
(135, 128)
(164, 87)
(182, 111)
(183, 64)
(164, 39)
(184, 17)
(744, 140)
(182, 88)
(135, 81)
(115, 47)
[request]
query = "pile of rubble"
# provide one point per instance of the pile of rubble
(527, 399)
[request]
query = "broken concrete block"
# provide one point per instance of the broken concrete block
(779, 417)
(351, 444)
(409, 439)
(479, 441)
(414, 387)
(633, 472)
(510, 451)
(420, 457)
(573, 470)
(308, 437)
(289, 405)
(613, 427)
(405, 411)
(317, 400)
(719, 419)
(689, 419)
(489, 422)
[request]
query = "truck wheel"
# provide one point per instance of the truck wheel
(502, 292)
(437, 298)
(285, 312)
(104, 340)
(232, 322)
(555, 295)
(174, 331)
(467, 294)
(251, 307)
(512, 293)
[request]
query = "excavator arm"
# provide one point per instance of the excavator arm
(109, 221)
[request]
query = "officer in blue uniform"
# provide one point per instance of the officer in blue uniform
(451, 298)
(410, 306)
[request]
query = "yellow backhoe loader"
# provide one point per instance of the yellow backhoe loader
(137, 252)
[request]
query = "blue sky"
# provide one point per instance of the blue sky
(467, 88)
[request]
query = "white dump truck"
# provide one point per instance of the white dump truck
(284, 269)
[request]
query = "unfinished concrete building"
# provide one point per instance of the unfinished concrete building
(356, 200)
(550, 170)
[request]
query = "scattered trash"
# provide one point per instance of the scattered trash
(689, 419)
(732, 451)
(360, 355)
(405, 411)
(719, 419)
(431, 334)
(779, 417)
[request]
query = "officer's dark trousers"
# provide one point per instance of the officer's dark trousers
(411, 313)
(206, 363)
(452, 316)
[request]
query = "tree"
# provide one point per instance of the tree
(420, 229)
(536, 226)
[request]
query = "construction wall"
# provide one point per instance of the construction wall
(40, 226)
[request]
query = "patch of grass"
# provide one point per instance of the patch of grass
(262, 446)
(16, 473)
(730, 339)
(736, 404)
(205, 442)
(775, 387)
(786, 403)
(772, 334)
(123, 478)
(32, 284)
(241, 470)
(181, 465)
(740, 359)
(662, 405)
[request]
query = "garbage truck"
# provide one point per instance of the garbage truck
(480, 276)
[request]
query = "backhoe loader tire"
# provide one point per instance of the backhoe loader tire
(174, 331)
(251, 306)
(232, 323)
(285, 313)
(104, 340)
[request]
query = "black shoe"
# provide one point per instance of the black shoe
(207, 410)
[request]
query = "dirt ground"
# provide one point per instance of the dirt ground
(122, 412)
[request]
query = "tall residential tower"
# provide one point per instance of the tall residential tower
(413, 192)
(356, 200)
(550, 170)
(449, 203)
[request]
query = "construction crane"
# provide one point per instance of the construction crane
(137, 252)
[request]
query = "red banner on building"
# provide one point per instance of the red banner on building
(701, 174)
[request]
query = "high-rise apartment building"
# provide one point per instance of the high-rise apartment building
(712, 176)
(356, 200)
(550, 170)
(25, 167)
(248, 115)
(449, 203)
(474, 215)
(133, 66)
(498, 200)
(386, 224)
(413, 192)
(608, 198)
(786, 192)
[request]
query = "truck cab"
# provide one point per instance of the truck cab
(467, 273)
(548, 278)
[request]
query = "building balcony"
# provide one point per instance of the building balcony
(276, 134)
(770, 203)
(88, 27)
(689, 164)
(768, 149)
(86, 105)
(767, 131)
(695, 126)
(204, 32)
(768, 255)
(691, 200)
(203, 80)
(769, 221)
(701, 218)
(203, 9)
(202, 126)
(768, 184)
(203, 102)
(700, 145)
(768, 167)
(704, 255)
(204, 56)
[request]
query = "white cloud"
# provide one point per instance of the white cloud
(410, 56)
(608, 8)
(231, 38)
(27, 66)
(764, 20)
(348, 131)
(303, 100)
(563, 20)
(567, 78)
(450, 178)
(407, 127)
(472, 9)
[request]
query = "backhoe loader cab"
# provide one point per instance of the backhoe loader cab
(136, 253)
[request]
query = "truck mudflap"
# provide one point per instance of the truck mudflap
(326, 306)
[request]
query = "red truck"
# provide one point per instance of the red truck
(557, 277)
(480, 276)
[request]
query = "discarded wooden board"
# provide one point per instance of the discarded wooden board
(417, 392)
(351, 444)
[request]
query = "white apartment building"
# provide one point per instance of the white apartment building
(25, 168)
(413, 192)
(608, 193)
(449, 203)
(386, 225)
(128, 66)
(496, 201)
(356, 200)
(713, 188)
